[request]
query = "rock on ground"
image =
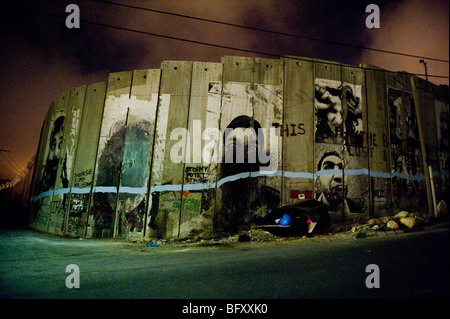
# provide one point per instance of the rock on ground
(402, 214)
(392, 224)
(409, 222)
(442, 209)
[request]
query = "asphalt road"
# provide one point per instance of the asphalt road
(411, 265)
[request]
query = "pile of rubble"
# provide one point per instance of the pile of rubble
(402, 220)
(373, 227)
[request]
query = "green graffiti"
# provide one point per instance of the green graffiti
(188, 204)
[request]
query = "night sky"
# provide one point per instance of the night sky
(40, 58)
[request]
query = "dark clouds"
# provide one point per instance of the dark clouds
(94, 48)
(416, 27)
(90, 48)
(41, 58)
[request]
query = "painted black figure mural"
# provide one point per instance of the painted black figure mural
(243, 141)
(53, 157)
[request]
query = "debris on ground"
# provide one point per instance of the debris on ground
(382, 226)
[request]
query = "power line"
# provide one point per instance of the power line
(270, 31)
(207, 43)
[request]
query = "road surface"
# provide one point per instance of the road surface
(411, 265)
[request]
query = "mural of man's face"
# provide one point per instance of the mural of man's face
(55, 146)
(54, 154)
(331, 185)
(401, 165)
(334, 115)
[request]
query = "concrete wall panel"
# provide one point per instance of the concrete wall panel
(397, 137)
(200, 173)
(328, 137)
(110, 155)
(378, 130)
(137, 154)
(35, 189)
(52, 162)
(175, 96)
(84, 163)
(233, 196)
(415, 159)
(68, 149)
(267, 111)
(358, 144)
(297, 130)
(442, 131)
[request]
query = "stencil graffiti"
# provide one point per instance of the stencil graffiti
(294, 129)
(197, 174)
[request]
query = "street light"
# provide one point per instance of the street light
(426, 71)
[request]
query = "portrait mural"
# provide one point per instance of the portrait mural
(339, 122)
(331, 97)
(53, 157)
(124, 162)
(332, 187)
(407, 168)
(442, 123)
(248, 149)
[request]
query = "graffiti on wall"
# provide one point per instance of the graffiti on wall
(339, 121)
(134, 175)
(406, 155)
(196, 174)
(330, 186)
(235, 191)
(242, 198)
(53, 157)
(442, 121)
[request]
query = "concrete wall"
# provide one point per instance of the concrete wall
(146, 153)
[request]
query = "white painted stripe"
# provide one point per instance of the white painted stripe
(329, 172)
(62, 191)
(204, 186)
(299, 175)
(380, 174)
(133, 190)
(77, 190)
(105, 189)
(360, 171)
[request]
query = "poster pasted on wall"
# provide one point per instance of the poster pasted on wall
(340, 179)
(406, 157)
